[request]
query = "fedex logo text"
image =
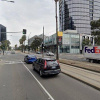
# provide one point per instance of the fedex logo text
(93, 50)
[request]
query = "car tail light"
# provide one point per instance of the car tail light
(58, 62)
(45, 64)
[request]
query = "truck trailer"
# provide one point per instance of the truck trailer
(92, 53)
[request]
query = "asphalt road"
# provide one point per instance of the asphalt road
(19, 82)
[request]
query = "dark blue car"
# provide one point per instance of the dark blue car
(30, 58)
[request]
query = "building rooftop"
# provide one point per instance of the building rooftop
(70, 31)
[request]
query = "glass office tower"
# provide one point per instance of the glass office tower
(77, 14)
(2, 33)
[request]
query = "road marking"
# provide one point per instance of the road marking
(39, 83)
(11, 62)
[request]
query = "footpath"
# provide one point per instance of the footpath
(85, 65)
(88, 73)
(88, 77)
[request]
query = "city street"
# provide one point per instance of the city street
(19, 82)
(61, 40)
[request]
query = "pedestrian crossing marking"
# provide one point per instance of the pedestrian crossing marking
(11, 62)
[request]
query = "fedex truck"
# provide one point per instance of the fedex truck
(92, 53)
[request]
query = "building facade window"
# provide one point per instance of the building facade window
(70, 43)
(77, 14)
(2, 33)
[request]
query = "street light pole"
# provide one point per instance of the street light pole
(57, 56)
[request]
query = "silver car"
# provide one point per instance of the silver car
(12, 52)
(50, 54)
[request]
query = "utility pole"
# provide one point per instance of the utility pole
(43, 44)
(57, 56)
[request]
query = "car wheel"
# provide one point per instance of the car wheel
(41, 74)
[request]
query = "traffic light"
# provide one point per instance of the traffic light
(24, 31)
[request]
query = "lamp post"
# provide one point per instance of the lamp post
(57, 56)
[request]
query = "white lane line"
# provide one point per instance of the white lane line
(39, 83)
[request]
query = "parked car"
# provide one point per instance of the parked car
(50, 54)
(38, 52)
(46, 66)
(30, 58)
(12, 52)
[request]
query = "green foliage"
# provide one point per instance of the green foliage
(36, 43)
(95, 26)
(23, 38)
(97, 40)
(15, 46)
(5, 44)
(21, 41)
(86, 42)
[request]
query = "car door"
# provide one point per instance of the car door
(41, 64)
(36, 64)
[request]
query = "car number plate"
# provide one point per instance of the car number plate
(53, 67)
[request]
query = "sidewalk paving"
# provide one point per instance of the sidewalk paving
(89, 77)
(85, 65)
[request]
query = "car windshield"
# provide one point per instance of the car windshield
(51, 62)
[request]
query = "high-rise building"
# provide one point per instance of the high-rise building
(2, 33)
(77, 14)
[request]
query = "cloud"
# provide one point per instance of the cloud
(28, 14)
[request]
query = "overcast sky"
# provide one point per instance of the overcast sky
(27, 14)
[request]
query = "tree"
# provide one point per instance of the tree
(21, 44)
(36, 43)
(95, 26)
(5, 44)
(86, 42)
(15, 46)
(21, 41)
(24, 38)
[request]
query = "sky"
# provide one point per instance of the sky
(27, 14)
